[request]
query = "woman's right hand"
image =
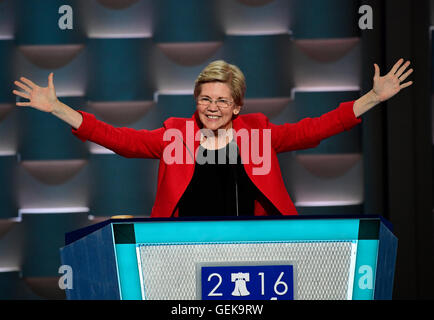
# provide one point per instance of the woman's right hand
(41, 98)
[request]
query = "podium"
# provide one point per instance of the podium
(293, 257)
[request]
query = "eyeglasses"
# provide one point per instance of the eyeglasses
(221, 103)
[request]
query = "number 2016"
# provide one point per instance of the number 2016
(280, 287)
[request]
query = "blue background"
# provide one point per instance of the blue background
(133, 63)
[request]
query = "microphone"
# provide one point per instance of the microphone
(234, 172)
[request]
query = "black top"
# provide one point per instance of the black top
(219, 180)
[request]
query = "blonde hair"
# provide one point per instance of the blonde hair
(221, 71)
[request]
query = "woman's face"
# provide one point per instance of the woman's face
(212, 116)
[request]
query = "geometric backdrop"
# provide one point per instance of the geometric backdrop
(133, 63)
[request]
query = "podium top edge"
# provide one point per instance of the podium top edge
(248, 218)
(80, 233)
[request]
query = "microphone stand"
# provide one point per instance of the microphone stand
(234, 171)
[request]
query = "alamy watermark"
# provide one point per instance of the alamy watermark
(66, 21)
(66, 280)
(255, 147)
(366, 280)
(366, 20)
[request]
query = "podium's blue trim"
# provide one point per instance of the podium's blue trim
(70, 237)
(239, 231)
(365, 270)
(128, 271)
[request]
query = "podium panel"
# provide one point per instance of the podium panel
(306, 258)
(322, 269)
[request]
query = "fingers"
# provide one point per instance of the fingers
(50, 80)
(405, 85)
(22, 86)
(21, 94)
(396, 66)
(402, 69)
(376, 70)
(23, 104)
(28, 82)
(405, 75)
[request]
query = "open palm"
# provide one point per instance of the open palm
(41, 98)
(387, 86)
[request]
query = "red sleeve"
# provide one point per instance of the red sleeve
(87, 126)
(308, 132)
(127, 142)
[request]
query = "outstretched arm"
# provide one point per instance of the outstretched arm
(309, 132)
(126, 142)
(384, 87)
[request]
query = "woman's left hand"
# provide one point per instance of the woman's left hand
(387, 86)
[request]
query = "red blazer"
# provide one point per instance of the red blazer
(173, 179)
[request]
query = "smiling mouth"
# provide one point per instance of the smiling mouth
(212, 117)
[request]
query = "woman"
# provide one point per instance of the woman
(194, 178)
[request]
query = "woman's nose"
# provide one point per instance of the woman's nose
(213, 107)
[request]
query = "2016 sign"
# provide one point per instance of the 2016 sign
(258, 282)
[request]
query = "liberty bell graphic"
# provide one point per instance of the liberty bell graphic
(240, 280)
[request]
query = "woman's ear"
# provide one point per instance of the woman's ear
(237, 110)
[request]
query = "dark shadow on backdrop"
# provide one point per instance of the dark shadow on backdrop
(397, 141)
